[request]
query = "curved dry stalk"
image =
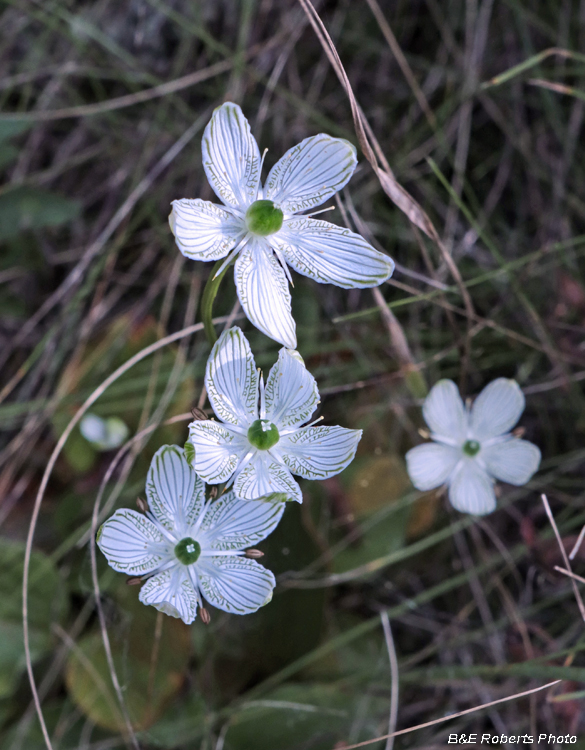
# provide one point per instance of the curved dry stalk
(567, 570)
(393, 189)
(96, 247)
(453, 716)
(393, 718)
(92, 398)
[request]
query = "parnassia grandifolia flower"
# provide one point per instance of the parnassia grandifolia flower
(262, 227)
(189, 548)
(260, 441)
(473, 447)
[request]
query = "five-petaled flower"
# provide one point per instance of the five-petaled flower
(473, 447)
(191, 548)
(258, 448)
(262, 225)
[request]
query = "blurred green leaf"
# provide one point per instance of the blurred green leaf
(11, 128)
(47, 604)
(12, 658)
(46, 594)
(183, 723)
(8, 154)
(380, 515)
(299, 717)
(25, 208)
(242, 650)
(151, 671)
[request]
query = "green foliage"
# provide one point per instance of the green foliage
(311, 716)
(47, 602)
(25, 208)
(151, 675)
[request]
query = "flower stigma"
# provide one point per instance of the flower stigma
(263, 434)
(187, 551)
(471, 447)
(264, 218)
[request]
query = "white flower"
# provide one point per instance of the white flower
(192, 548)
(259, 448)
(473, 447)
(103, 434)
(259, 225)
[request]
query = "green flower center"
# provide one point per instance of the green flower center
(471, 447)
(264, 218)
(187, 551)
(263, 434)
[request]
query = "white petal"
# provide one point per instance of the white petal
(172, 592)
(217, 450)
(233, 524)
(513, 461)
(430, 465)
(445, 414)
(263, 292)
(204, 230)
(175, 493)
(263, 476)
(231, 379)
(497, 409)
(230, 157)
(132, 543)
(319, 452)
(310, 173)
(236, 584)
(331, 255)
(471, 490)
(291, 391)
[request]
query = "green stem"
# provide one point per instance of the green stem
(209, 294)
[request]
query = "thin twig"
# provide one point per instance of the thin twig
(564, 554)
(41, 493)
(393, 718)
(453, 716)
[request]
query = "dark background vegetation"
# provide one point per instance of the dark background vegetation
(90, 275)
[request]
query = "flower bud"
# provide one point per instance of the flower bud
(253, 553)
(204, 615)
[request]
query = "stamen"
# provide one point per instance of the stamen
(221, 552)
(165, 532)
(262, 396)
(314, 422)
(238, 248)
(321, 211)
(253, 554)
(258, 188)
(239, 468)
(197, 525)
(284, 265)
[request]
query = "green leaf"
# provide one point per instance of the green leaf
(47, 604)
(46, 593)
(11, 128)
(311, 716)
(184, 722)
(12, 657)
(8, 154)
(25, 208)
(151, 672)
(375, 497)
